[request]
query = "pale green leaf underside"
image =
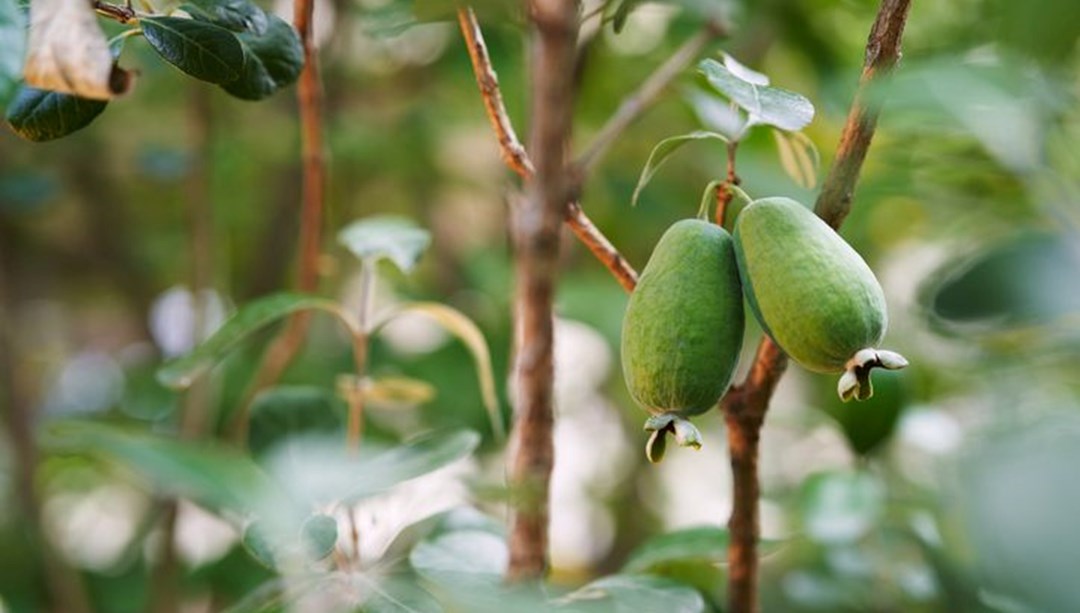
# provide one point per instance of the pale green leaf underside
(765, 105)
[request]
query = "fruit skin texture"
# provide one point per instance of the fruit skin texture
(813, 294)
(683, 328)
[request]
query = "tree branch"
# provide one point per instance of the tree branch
(634, 105)
(286, 345)
(535, 231)
(517, 159)
(745, 406)
(882, 53)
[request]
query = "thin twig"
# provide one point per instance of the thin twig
(116, 12)
(745, 406)
(535, 226)
(512, 152)
(517, 159)
(647, 94)
(286, 345)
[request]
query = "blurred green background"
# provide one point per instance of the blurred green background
(954, 489)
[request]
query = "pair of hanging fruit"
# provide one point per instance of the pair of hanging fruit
(683, 328)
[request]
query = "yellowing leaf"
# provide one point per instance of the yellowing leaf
(798, 156)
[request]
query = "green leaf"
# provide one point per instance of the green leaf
(182, 372)
(765, 105)
(319, 535)
(662, 151)
(273, 59)
(467, 556)
(236, 15)
(633, 593)
(798, 157)
(39, 115)
(203, 50)
(462, 327)
(259, 545)
(285, 411)
(397, 238)
(839, 508)
(701, 543)
(1019, 284)
(345, 476)
(217, 477)
(12, 48)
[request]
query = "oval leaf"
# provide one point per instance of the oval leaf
(285, 411)
(319, 536)
(180, 373)
(236, 15)
(398, 239)
(67, 52)
(766, 105)
(319, 470)
(632, 593)
(702, 543)
(217, 477)
(456, 323)
(39, 115)
(662, 151)
(273, 59)
(467, 556)
(202, 50)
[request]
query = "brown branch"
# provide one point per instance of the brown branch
(517, 159)
(882, 53)
(535, 231)
(119, 13)
(648, 93)
(509, 146)
(286, 345)
(745, 406)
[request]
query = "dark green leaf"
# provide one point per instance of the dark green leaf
(273, 59)
(633, 593)
(319, 536)
(237, 15)
(869, 424)
(766, 105)
(398, 239)
(1020, 282)
(258, 544)
(281, 412)
(202, 50)
(618, 19)
(40, 115)
(217, 477)
(662, 151)
(12, 48)
(253, 316)
(468, 556)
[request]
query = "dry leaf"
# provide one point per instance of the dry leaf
(67, 52)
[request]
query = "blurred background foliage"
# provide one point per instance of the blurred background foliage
(953, 489)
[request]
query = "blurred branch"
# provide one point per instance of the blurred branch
(65, 590)
(286, 345)
(195, 402)
(517, 159)
(535, 231)
(745, 406)
(634, 105)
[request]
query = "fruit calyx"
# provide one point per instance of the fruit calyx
(855, 382)
(660, 426)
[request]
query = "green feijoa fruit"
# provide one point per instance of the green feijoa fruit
(812, 293)
(683, 328)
